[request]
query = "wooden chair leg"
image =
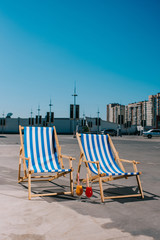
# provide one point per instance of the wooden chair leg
(140, 186)
(79, 166)
(101, 189)
(29, 186)
(71, 183)
(19, 170)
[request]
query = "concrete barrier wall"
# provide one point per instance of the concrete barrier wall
(12, 125)
(109, 125)
(63, 125)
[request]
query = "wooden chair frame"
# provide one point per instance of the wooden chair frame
(102, 177)
(28, 174)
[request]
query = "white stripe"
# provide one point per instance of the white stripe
(40, 148)
(103, 154)
(46, 150)
(92, 153)
(28, 146)
(34, 149)
(106, 145)
(51, 148)
(86, 150)
(98, 154)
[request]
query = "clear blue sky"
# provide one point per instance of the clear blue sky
(111, 48)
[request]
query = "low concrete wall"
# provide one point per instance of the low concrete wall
(63, 125)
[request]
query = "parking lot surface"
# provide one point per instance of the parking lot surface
(67, 217)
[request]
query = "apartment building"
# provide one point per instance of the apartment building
(111, 112)
(116, 113)
(153, 110)
(136, 113)
(144, 113)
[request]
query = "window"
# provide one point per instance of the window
(156, 130)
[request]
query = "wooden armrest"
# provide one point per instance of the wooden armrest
(129, 161)
(90, 161)
(24, 158)
(68, 157)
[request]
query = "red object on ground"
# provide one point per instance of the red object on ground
(89, 192)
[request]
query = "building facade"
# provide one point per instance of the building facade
(153, 110)
(144, 113)
(116, 113)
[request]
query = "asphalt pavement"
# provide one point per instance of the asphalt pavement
(67, 217)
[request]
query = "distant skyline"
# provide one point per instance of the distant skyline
(109, 48)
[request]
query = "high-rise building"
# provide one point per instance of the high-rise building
(116, 113)
(153, 110)
(144, 113)
(110, 112)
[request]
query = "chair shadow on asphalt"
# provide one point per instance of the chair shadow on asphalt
(50, 188)
(116, 189)
(112, 190)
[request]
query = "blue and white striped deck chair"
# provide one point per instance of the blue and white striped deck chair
(101, 158)
(40, 153)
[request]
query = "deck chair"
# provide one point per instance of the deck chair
(40, 154)
(101, 159)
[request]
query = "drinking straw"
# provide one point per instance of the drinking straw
(87, 181)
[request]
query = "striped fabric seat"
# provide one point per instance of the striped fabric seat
(97, 148)
(40, 147)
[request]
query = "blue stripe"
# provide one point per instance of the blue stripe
(114, 165)
(83, 145)
(95, 151)
(43, 150)
(82, 140)
(40, 137)
(31, 149)
(55, 149)
(25, 145)
(94, 148)
(102, 159)
(95, 170)
(49, 150)
(106, 155)
(110, 152)
(37, 149)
